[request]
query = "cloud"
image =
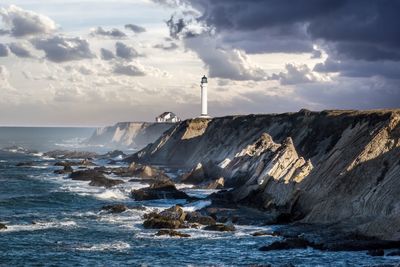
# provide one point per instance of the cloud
(224, 63)
(24, 23)
(19, 50)
(125, 51)
(129, 69)
(169, 47)
(4, 52)
(61, 49)
(135, 28)
(113, 33)
(106, 54)
(360, 68)
(296, 74)
(359, 29)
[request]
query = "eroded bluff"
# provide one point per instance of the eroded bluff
(330, 167)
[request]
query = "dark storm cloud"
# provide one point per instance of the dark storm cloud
(125, 51)
(19, 50)
(61, 49)
(113, 33)
(135, 28)
(4, 52)
(360, 29)
(106, 54)
(175, 27)
(361, 68)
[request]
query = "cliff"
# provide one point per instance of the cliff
(330, 167)
(128, 134)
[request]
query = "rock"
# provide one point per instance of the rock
(3, 226)
(203, 174)
(25, 164)
(67, 154)
(196, 217)
(393, 253)
(113, 154)
(171, 233)
(217, 184)
(376, 252)
(260, 233)
(146, 172)
(160, 223)
(171, 218)
(289, 243)
(96, 178)
(86, 162)
(220, 228)
(116, 208)
(66, 169)
(159, 190)
(105, 182)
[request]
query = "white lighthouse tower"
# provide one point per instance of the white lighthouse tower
(203, 86)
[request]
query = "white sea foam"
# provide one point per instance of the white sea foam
(197, 205)
(115, 246)
(3, 161)
(183, 186)
(111, 194)
(39, 226)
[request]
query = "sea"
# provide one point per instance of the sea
(54, 221)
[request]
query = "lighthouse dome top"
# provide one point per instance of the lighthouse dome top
(204, 79)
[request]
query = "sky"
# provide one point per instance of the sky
(94, 63)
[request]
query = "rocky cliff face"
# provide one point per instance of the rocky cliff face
(330, 167)
(128, 134)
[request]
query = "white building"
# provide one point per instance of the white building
(168, 117)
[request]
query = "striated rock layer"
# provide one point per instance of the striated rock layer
(128, 134)
(329, 167)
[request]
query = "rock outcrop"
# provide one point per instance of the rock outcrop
(96, 178)
(329, 167)
(128, 134)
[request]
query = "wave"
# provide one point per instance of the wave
(113, 194)
(197, 205)
(115, 246)
(39, 226)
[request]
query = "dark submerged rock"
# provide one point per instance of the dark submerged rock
(376, 252)
(3, 226)
(171, 233)
(116, 208)
(220, 228)
(25, 164)
(289, 243)
(159, 190)
(96, 178)
(66, 169)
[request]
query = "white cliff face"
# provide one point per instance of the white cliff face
(129, 134)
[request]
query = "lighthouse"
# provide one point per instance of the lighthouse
(203, 86)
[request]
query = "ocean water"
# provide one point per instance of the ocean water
(54, 221)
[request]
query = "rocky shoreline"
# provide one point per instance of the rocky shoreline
(329, 180)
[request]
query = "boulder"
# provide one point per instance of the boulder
(96, 178)
(202, 173)
(146, 172)
(159, 190)
(3, 226)
(171, 233)
(198, 218)
(171, 218)
(220, 227)
(66, 169)
(116, 208)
